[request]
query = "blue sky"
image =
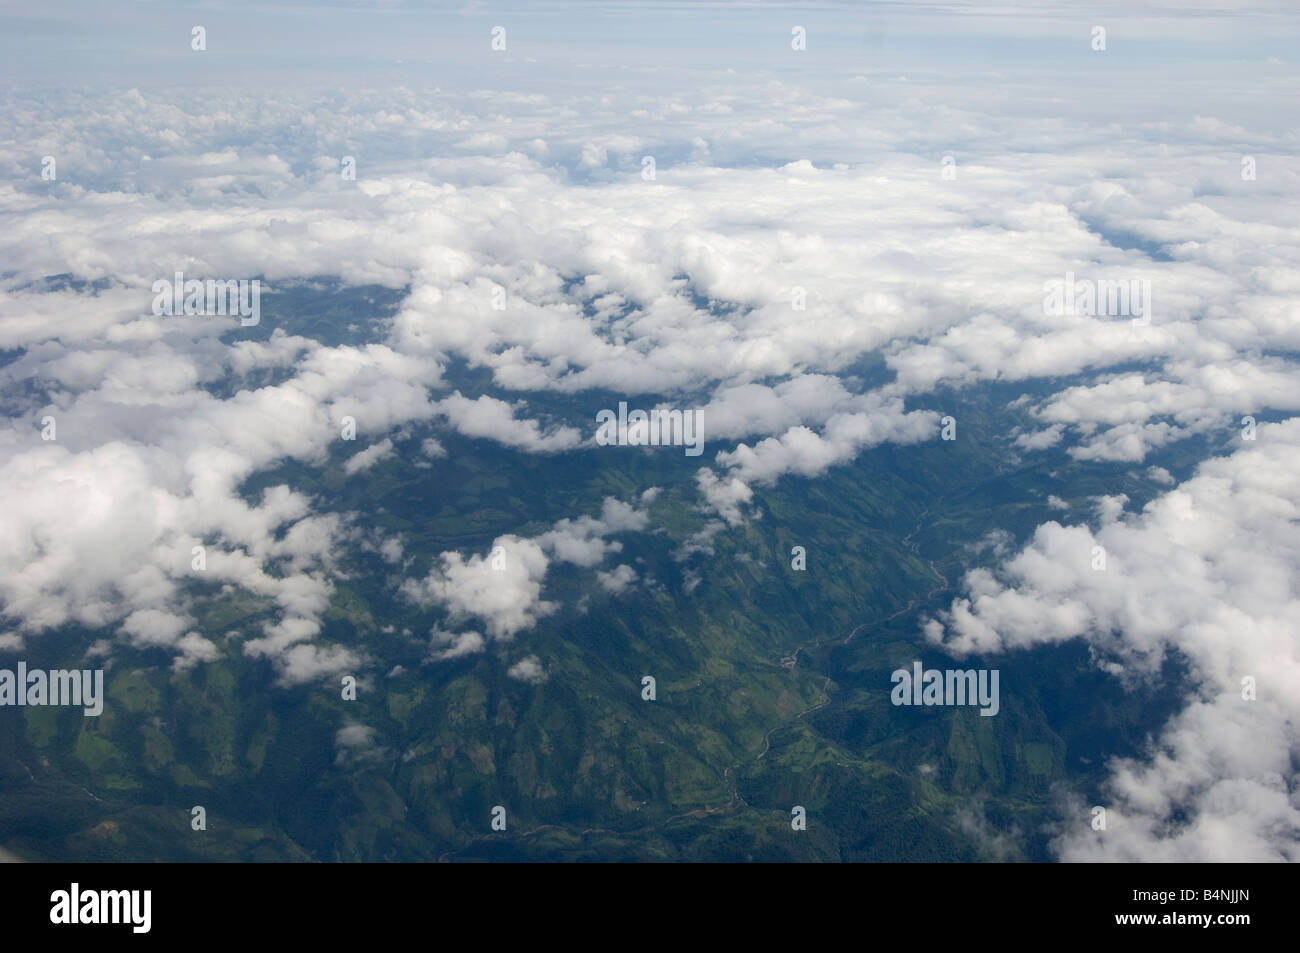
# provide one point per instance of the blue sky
(148, 42)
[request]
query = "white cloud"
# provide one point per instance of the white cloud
(503, 588)
(504, 591)
(1208, 570)
(724, 497)
(619, 579)
(680, 287)
(802, 451)
(1160, 475)
(448, 645)
(582, 541)
(367, 458)
(495, 419)
(528, 669)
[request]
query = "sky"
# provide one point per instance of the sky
(919, 172)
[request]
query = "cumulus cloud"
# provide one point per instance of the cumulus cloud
(448, 645)
(391, 550)
(1041, 439)
(724, 497)
(582, 541)
(634, 320)
(802, 451)
(167, 630)
(1160, 475)
(742, 278)
(1208, 570)
(619, 579)
(367, 458)
(356, 744)
(495, 419)
(146, 467)
(528, 669)
(503, 589)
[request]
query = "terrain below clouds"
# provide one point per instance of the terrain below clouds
(984, 376)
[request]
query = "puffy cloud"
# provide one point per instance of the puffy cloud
(354, 736)
(1041, 439)
(1205, 397)
(367, 458)
(582, 541)
(155, 628)
(743, 278)
(356, 745)
(619, 579)
(503, 589)
(738, 410)
(938, 305)
(391, 550)
(725, 497)
(146, 466)
(1160, 475)
(302, 663)
(1208, 570)
(449, 645)
(495, 419)
(528, 669)
(802, 451)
